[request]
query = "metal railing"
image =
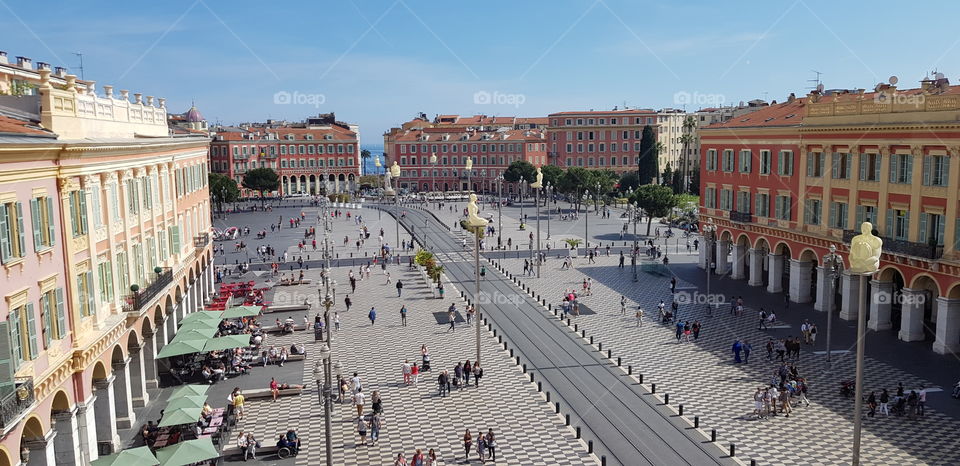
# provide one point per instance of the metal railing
(899, 246)
(13, 404)
(741, 217)
(137, 300)
(201, 241)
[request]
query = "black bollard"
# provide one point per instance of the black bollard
(696, 422)
(578, 431)
(539, 384)
(618, 361)
(524, 368)
(653, 388)
(558, 407)
(548, 397)
(680, 410)
(591, 339)
(518, 360)
(583, 333)
(640, 378)
(567, 419)
(666, 398)
(733, 450)
(531, 376)
(589, 446)
(600, 346)
(511, 352)
(713, 435)
(603, 460)
(629, 370)
(609, 354)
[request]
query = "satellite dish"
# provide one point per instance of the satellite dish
(894, 80)
(820, 88)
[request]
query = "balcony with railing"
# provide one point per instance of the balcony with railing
(15, 403)
(741, 217)
(138, 299)
(201, 241)
(902, 247)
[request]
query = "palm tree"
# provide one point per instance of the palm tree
(658, 149)
(688, 138)
(364, 155)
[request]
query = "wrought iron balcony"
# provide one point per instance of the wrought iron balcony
(906, 248)
(201, 241)
(18, 401)
(138, 299)
(741, 217)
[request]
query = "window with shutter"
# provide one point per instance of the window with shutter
(888, 227)
(876, 167)
(16, 340)
(833, 215)
(91, 295)
(835, 165)
(859, 214)
(7, 364)
(908, 178)
(6, 251)
(35, 221)
(894, 161)
(20, 247)
(61, 315)
(51, 226)
(46, 318)
(926, 171)
(31, 331)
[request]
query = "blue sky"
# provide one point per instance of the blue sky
(378, 63)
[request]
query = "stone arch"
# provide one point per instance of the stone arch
(809, 255)
(782, 249)
(99, 371)
(5, 457)
(743, 240)
(32, 434)
(928, 287)
(926, 281)
(725, 235)
(954, 291)
(761, 243)
(61, 402)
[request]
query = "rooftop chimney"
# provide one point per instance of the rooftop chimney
(43, 65)
(60, 71)
(3, 57)
(24, 62)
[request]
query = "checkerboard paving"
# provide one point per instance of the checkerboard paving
(527, 430)
(702, 376)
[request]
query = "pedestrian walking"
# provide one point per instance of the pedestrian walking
(872, 404)
(639, 317)
(623, 305)
(491, 445)
(477, 374)
(696, 330)
(467, 444)
(405, 370)
(362, 430)
(372, 315)
(336, 321)
(452, 317)
(884, 399)
(403, 315)
(399, 288)
(747, 348)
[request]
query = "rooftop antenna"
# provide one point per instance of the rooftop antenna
(765, 94)
(815, 80)
(81, 64)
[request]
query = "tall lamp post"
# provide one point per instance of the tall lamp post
(469, 168)
(549, 195)
(710, 235)
(635, 218)
(325, 392)
(834, 264)
(395, 174)
(433, 172)
(586, 221)
(499, 210)
(865, 250)
(520, 189)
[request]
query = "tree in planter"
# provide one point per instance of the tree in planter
(261, 180)
(572, 242)
(655, 200)
(222, 190)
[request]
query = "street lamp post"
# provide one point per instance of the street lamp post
(635, 218)
(469, 169)
(325, 399)
(709, 234)
(433, 172)
(549, 195)
(538, 230)
(596, 200)
(499, 210)
(520, 190)
(834, 262)
(395, 174)
(586, 221)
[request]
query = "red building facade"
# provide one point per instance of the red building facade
(786, 182)
(598, 139)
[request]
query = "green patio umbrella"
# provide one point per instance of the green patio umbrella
(186, 402)
(180, 416)
(177, 348)
(202, 315)
(241, 311)
(227, 342)
(200, 324)
(189, 390)
(195, 334)
(140, 456)
(189, 452)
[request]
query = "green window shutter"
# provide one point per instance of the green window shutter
(923, 229)
(32, 331)
(15, 338)
(945, 171)
(109, 271)
(45, 308)
(6, 360)
(894, 159)
(835, 164)
(956, 235)
(926, 169)
(83, 212)
(833, 215)
(61, 315)
(849, 166)
(176, 238)
(810, 156)
(876, 167)
(23, 243)
(906, 223)
(859, 213)
(91, 293)
(940, 230)
(5, 247)
(51, 226)
(909, 178)
(35, 221)
(757, 207)
(888, 228)
(863, 167)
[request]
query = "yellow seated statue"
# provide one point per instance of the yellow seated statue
(865, 250)
(473, 213)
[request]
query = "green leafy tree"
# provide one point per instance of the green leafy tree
(687, 139)
(656, 201)
(647, 169)
(677, 182)
(551, 174)
(629, 180)
(222, 190)
(573, 182)
(667, 176)
(695, 179)
(261, 180)
(520, 170)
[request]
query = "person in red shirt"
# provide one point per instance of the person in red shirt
(274, 388)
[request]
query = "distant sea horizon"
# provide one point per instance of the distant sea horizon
(376, 150)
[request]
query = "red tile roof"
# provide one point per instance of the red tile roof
(21, 127)
(785, 114)
(629, 111)
(436, 135)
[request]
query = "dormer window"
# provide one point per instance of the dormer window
(289, 137)
(308, 137)
(328, 137)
